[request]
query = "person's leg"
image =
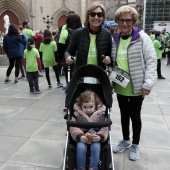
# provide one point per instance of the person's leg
(81, 155)
(56, 73)
(47, 75)
(159, 67)
(11, 66)
(124, 106)
(59, 68)
(22, 68)
(95, 154)
(135, 115)
(17, 65)
(57, 76)
(42, 65)
(30, 81)
(35, 80)
(123, 102)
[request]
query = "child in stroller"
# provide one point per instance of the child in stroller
(93, 78)
(88, 107)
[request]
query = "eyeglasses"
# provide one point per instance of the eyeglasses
(93, 14)
(127, 21)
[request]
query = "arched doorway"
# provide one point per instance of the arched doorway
(62, 21)
(12, 19)
(16, 10)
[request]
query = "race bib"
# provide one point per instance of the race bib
(120, 77)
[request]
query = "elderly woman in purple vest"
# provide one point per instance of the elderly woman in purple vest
(133, 76)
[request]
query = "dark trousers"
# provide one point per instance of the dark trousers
(32, 78)
(159, 67)
(130, 108)
(42, 65)
(13, 61)
(22, 69)
(168, 58)
(48, 75)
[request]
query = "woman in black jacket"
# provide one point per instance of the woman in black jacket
(90, 43)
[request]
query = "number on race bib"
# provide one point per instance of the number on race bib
(119, 77)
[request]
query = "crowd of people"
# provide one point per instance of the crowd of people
(128, 51)
(161, 41)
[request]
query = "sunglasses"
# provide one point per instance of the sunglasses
(127, 21)
(93, 14)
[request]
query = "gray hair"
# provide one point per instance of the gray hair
(127, 10)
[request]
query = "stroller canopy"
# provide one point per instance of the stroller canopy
(94, 71)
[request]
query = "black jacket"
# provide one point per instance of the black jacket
(80, 42)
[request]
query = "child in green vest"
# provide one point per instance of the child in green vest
(32, 63)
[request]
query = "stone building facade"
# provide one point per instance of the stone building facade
(34, 11)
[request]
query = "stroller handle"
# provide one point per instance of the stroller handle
(106, 123)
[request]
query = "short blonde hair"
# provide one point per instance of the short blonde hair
(92, 7)
(127, 10)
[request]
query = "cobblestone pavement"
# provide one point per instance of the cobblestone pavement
(32, 128)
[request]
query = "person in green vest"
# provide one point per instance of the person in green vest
(32, 63)
(30, 34)
(26, 29)
(133, 77)
(152, 35)
(159, 47)
(73, 22)
(92, 42)
(48, 51)
(165, 36)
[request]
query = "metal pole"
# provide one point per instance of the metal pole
(144, 14)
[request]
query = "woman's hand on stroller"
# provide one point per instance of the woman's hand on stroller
(69, 60)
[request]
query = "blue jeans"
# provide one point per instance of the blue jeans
(94, 154)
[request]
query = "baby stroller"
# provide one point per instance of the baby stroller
(93, 78)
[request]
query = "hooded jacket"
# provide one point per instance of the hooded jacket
(142, 60)
(11, 45)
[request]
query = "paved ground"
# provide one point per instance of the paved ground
(32, 128)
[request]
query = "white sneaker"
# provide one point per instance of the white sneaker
(37, 92)
(123, 144)
(134, 152)
(59, 85)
